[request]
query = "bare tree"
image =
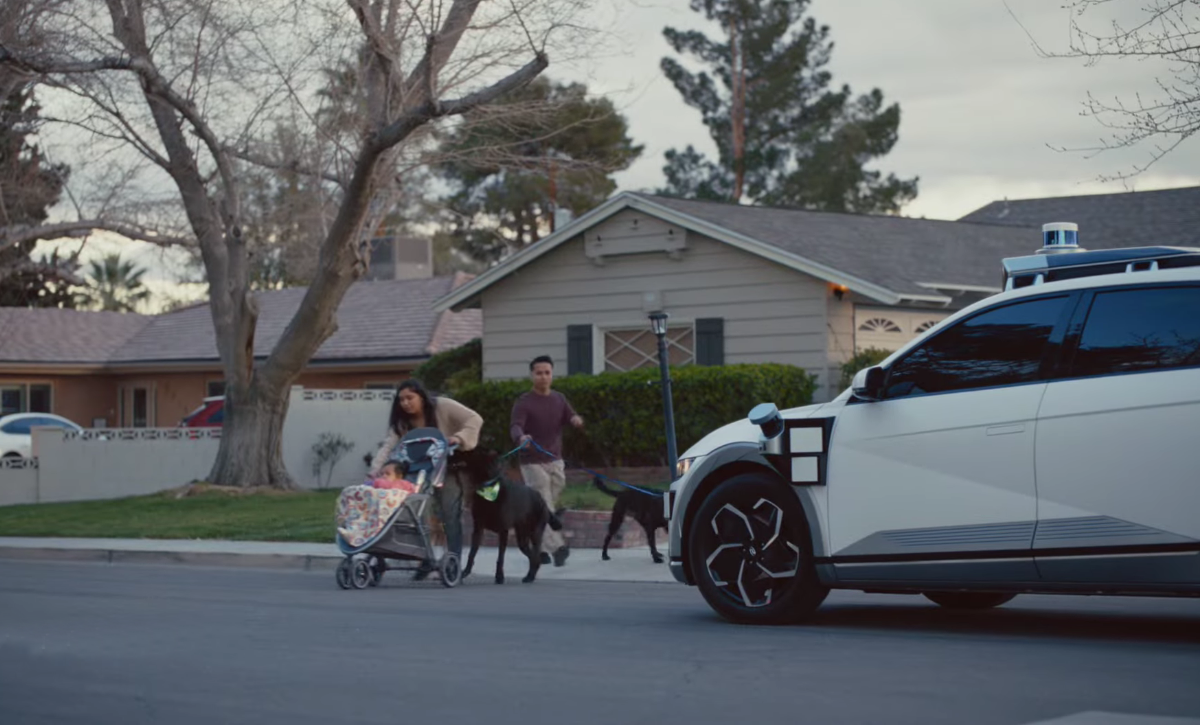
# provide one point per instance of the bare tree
(194, 86)
(1166, 32)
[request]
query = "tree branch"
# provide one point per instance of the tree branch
(396, 132)
(294, 165)
(11, 236)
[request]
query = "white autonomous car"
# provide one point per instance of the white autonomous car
(1043, 440)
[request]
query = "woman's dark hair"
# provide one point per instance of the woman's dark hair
(399, 421)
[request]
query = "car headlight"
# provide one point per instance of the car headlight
(683, 466)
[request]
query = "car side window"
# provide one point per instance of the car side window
(18, 427)
(1140, 329)
(1001, 346)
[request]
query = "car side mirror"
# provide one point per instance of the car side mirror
(868, 383)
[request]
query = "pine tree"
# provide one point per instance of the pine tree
(549, 147)
(28, 188)
(784, 137)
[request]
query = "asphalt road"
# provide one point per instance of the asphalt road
(123, 644)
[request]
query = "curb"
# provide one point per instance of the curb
(305, 562)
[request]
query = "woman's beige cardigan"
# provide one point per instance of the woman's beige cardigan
(453, 419)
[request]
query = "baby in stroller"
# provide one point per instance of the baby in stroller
(391, 476)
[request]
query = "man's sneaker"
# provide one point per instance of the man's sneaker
(545, 558)
(560, 556)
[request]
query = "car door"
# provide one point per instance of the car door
(1117, 445)
(17, 437)
(937, 476)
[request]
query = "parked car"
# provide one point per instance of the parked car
(922, 477)
(16, 432)
(211, 414)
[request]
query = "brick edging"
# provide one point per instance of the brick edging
(582, 530)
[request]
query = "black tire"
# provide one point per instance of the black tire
(360, 574)
(754, 520)
(343, 573)
(451, 571)
(969, 600)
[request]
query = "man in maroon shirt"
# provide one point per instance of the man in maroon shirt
(539, 416)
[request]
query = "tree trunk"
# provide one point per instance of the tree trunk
(251, 451)
(737, 115)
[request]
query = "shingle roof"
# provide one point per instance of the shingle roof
(897, 253)
(1127, 219)
(377, 319)
(64, 336)
(390, 319)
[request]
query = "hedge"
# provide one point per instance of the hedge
(450, 370)
(623, 411)
(862, 359)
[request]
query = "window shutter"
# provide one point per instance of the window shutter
(710, 341)
(579, 349)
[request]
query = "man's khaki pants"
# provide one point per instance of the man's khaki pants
(548, 479)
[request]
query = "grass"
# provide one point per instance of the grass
(209, 513)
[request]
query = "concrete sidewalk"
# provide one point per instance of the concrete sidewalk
(627, 565)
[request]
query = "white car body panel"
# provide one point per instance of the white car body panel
(932, 461)
(1145, 420)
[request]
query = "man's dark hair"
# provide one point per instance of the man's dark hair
(541, 359)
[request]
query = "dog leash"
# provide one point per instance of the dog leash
(597, 474)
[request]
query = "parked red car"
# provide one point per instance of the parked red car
(209, 415)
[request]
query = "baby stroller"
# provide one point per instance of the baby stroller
(388, 536)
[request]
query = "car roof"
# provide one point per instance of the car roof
(21, 416)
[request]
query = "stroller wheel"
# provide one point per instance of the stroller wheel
(377, 570)
(343, 573)
(361, 575)
(451, 571)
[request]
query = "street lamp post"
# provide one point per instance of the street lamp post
(658, 323)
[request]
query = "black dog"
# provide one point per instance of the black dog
(643, 508)
(516, 507)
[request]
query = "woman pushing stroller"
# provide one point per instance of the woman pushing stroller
(413, 408)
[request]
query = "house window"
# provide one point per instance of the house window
(23, 398)
(141, 407)
(630, 349)
(926, 325)
(879, 324)
(215, 388)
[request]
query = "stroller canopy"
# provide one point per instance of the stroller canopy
(421, 449)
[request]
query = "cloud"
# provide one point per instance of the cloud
(980, 109)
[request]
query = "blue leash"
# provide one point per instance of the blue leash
(597, 474)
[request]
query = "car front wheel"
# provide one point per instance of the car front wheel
(751, 553)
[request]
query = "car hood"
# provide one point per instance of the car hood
(743, 431)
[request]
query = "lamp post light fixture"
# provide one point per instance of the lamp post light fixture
(658, 323)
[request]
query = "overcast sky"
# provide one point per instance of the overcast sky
(978, 106)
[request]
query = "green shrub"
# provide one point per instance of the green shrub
(451, 370)
(623, 412)
(862, 359)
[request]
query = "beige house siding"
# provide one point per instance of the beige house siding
(841, 338)
(771, 313)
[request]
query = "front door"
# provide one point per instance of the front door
(936, 480)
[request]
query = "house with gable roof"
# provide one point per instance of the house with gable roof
(105, 369)
(746, 284)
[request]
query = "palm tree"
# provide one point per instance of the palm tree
(117, 286)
